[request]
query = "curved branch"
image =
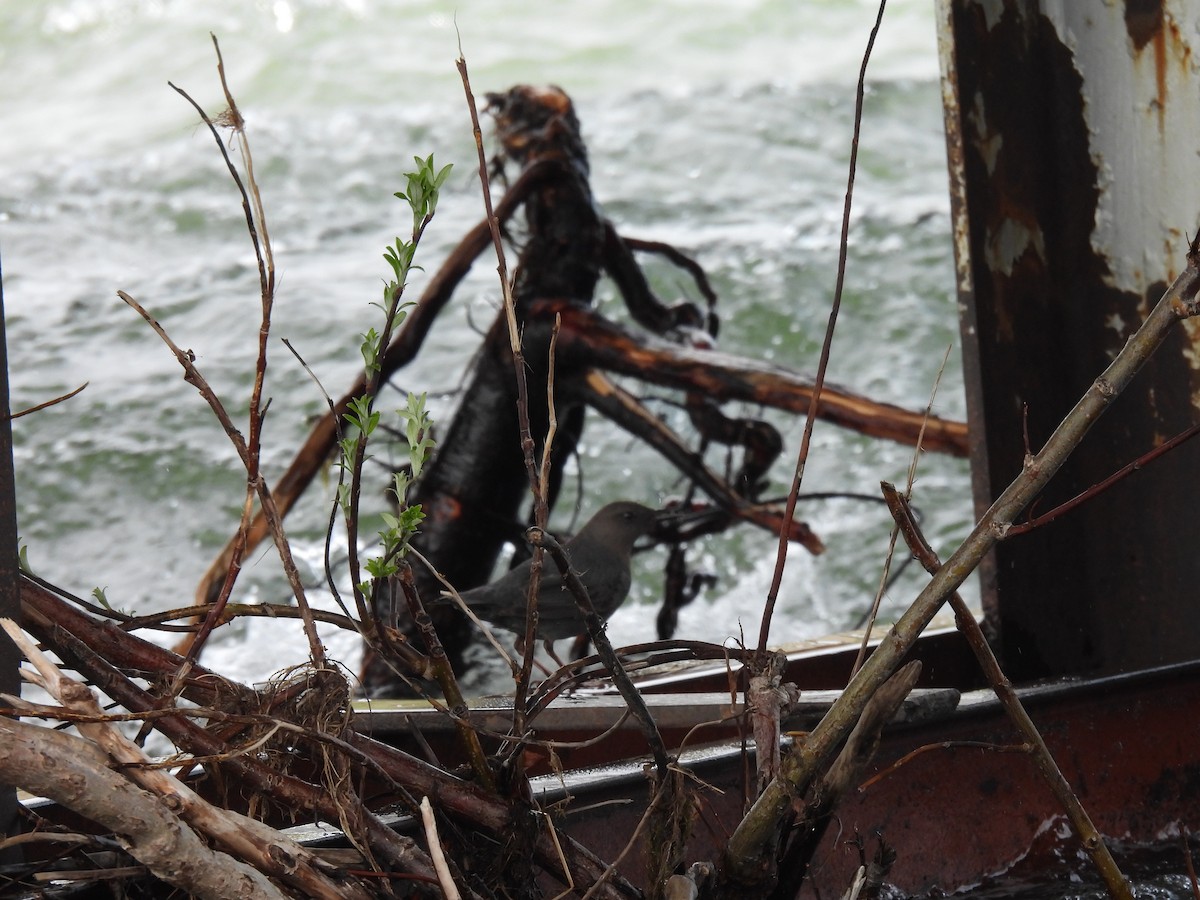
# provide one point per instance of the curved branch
(590, 339)
(321, 440)
(622, 408)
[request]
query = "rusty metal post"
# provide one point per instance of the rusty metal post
(1072, 134)
(10, 682)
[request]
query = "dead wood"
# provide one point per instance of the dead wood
(1090, 837)
(107, 655)
(844, 775)
(598, 342)
(473, 489)
(78, 775)
(753, 844)
(768, 699)
(262, 848)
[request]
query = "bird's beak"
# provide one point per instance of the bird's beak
(677, 524)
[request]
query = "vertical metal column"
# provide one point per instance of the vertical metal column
(10, 601)
(1073, 131)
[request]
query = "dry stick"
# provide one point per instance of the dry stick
(79, 776)
(449, 889)
(232, 611)
(908, 757)
(1191, 869)
(52, 618)
(891, 549)
(248, 450)
(443, 673)
(751, 844)
(193, 377)
(596, 631)
(514, 343)
(255, 216)
(1093, 841)
(591, 339)
(252, 209)
(521, 688)
(819, 382)
(48, 403)
(285, 789)
(250, 840)
(1122, 473)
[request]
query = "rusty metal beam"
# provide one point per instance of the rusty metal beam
(1071, 133)
(10, 600)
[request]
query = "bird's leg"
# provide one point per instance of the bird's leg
(549, 645)
(519, 646)
(579, 647)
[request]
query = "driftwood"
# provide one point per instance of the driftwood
(291, 752)
(749, 858)
(473, 489)
(79, 776)
(103, 652)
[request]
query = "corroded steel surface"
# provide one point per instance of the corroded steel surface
(9, 573)
(1074, 172)
(956, 813)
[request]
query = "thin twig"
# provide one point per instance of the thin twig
(449, 888)
(755, 836)
(941, 745)
(462, 605)
(1121, 474)
(1092, 840)
(1191, 868)
(364, 621)
(48, 403)
(540, 511)
(887, 559)
(596, 631)
(633, 838)
(250, 449)
(823, 364)
(521, 688)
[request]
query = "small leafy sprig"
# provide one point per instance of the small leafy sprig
(423, 188)
(421, 193)
(399, 529)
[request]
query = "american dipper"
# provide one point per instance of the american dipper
(600, 553)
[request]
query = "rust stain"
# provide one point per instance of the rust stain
(1148, 24)
(1143, 21)
(1160, 76)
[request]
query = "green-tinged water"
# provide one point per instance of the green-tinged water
(722, 128)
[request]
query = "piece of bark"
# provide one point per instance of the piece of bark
(76, 774)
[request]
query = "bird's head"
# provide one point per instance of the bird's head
(621, 523)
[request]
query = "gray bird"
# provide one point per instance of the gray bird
(600, 553)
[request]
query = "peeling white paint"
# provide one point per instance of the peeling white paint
(1143, 116)
(988, 142)
(954, 149)
(1009, 243)
(992, 11)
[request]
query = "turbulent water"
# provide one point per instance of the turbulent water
(723, 128)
